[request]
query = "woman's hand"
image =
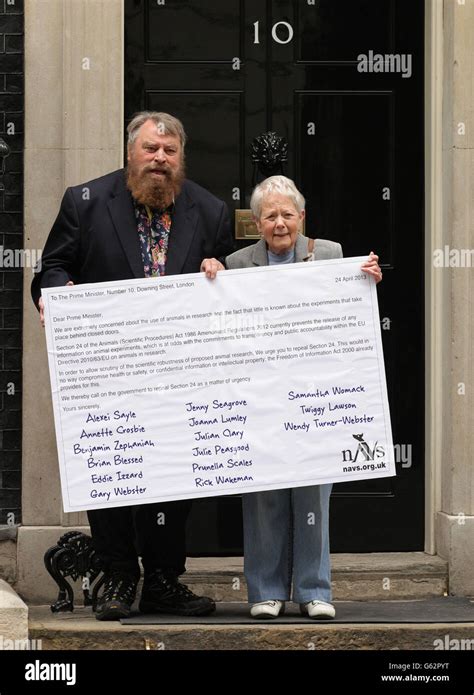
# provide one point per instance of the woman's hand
(371, 267)
(211, 267)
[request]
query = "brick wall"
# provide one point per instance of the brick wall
(11, 239)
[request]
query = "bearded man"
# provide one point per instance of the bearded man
(143, 221)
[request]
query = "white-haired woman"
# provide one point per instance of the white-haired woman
(281, 549)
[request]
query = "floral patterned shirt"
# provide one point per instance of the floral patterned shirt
(153, 233)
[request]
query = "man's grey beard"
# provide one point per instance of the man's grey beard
(156, 194)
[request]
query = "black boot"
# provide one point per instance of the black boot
(117, 597)
(163, 593)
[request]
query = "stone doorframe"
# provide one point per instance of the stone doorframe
(74, 58)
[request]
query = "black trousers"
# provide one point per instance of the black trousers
(154, 532)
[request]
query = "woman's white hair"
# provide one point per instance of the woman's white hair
(276, 184)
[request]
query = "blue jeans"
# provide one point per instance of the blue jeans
(286, 536)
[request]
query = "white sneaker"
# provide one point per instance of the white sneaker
(267, 609)
(320, 610)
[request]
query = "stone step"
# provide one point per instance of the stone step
(80, 630)
(364, 577)
(355, 577)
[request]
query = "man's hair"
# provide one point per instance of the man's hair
(166, 124)
(276, 184)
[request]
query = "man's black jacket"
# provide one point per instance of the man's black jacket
(95, 238)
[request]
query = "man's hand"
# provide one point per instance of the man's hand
(41, 305)
(211, 267)
(371, 267)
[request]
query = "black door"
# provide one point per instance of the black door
(232, 70)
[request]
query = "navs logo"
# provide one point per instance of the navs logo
(38, 671)
(363, 450)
